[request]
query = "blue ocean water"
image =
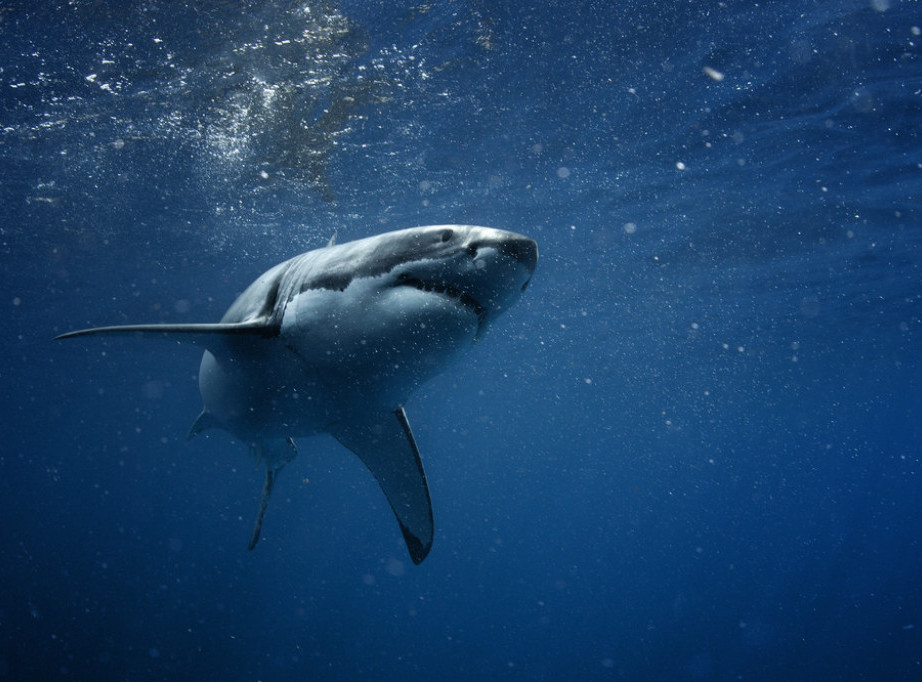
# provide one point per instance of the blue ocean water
(690, 452)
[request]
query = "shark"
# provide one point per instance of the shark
(335, 340)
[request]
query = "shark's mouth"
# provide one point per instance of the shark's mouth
(447, 290)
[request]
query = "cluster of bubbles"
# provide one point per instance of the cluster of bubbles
(242, 111)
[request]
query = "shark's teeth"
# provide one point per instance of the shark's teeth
(464, 299)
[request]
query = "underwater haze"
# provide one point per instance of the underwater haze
(691, 451)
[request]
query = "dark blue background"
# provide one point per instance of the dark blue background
(692, 451)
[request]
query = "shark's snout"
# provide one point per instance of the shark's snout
(522, 249)
(511, 245)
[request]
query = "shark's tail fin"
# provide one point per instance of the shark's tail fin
(263, 504)
(275, 454)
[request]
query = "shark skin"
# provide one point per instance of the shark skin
(337, 339)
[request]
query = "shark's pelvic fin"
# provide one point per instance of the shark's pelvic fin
(384, 442)
(203, 422)
(200, 334)
(275, 453)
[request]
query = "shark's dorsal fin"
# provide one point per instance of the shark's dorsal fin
(332, 241)
(275, 453)
(385, 444)
(202, 334)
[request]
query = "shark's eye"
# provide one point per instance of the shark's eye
(447, 235)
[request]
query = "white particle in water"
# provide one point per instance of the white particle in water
(713, 73)
(395, 567)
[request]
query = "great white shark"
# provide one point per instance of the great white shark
(335, 341)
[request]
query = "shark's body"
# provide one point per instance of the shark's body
(335, 340)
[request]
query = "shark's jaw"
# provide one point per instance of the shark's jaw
(447, 291)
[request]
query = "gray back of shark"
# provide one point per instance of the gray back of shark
(335, 341)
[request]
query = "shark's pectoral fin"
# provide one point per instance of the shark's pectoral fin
(385, 443)
(275, 453)
(206, 335)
